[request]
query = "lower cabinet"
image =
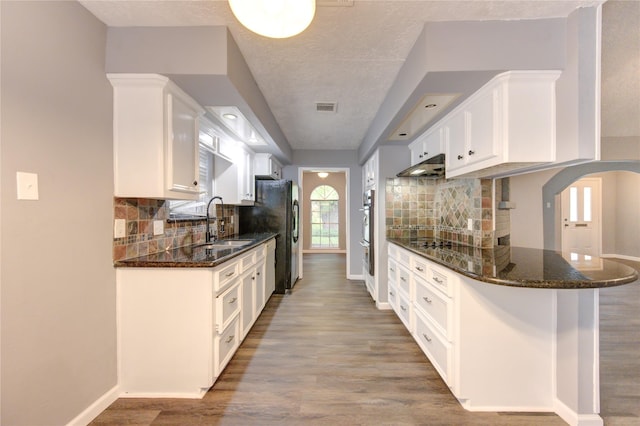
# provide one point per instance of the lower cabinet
(491, 344)
(179, 327)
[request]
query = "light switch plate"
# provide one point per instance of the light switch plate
(27, 186)
(120, 228)
(158, 227)
(470, 224)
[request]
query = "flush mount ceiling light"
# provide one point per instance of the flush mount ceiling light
(274, 18)
(323, 175)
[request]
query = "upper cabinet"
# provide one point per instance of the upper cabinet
(431, 143)
(266, 165)
(234, 178)
(508, 125)
(370, 171)
(156, 132)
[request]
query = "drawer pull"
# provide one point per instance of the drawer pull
(230, 339)
(233, 300)
(426, 337)
(419, 269)
(230, 274)
(403, 308)
(253, 278)
(403, 279)
(390, 293)
(392, 270)
(426, 299)
(258, 273)
(438, 280)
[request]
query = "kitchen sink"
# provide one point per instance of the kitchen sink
(225, 244)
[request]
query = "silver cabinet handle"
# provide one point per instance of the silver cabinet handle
(403, 308)
(426, 337)
(230, 274)
(233, 300)
(392, 270)
(460, 157)
(419, 269)
(438, 280)
(471, 152)
(426, 299)
(390, 293)
(230, 339)
(403, 279)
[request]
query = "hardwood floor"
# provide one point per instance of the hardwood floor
(324, 355)
(620, 353)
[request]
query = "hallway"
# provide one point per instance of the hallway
(322, 355)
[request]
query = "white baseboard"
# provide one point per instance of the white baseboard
(186, 395)
(575, 419)
(355, 277)
(98, 406)
(622, 256)
(384, 306)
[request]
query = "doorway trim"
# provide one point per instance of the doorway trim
(346, 171)
(562, 180)
(597, 208)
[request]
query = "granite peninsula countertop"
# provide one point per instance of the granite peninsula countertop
(195, 256)
(525, 267)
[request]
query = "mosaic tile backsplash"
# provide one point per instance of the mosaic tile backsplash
(440, 209)
(140, 213)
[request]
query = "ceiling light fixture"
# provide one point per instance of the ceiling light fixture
(323, 175)
(274, 18)
(229, 116)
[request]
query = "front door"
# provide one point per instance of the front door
(581, 217)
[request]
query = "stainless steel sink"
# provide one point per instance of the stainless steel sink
(225, 244)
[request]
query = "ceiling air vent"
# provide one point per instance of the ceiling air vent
(334, 2)
(326, 107)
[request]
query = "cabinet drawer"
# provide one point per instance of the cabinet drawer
(440, 280)
(247, 261)
(437, 349)
(404, 309)
(260, 253)
(224, 276)
(404, 279)
(404, 257)
(225, 344)
(435, 305)
(392, 269)
(227, 307)
(419, 267)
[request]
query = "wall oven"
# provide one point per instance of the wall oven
(366, 241)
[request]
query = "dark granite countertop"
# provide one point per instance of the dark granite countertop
(525, 267)
(194, 256)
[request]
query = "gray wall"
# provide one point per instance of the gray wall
(57, 281)
(345, 159)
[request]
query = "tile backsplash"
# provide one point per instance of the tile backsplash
(442, 209)
(140, 213)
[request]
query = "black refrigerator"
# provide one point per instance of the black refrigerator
(276, 209)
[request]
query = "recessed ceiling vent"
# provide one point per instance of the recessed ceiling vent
(334, 2)
(326, 107)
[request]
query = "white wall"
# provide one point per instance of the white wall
(57, 280)
(627, 210)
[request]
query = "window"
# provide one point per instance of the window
(324, 217)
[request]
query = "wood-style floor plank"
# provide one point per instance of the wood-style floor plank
(324, 355)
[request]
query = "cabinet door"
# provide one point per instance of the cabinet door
(433, 143)
(182, 146)
(248, 301)
(270, 274)
(481, 116)
(260, 287)
(455, 140)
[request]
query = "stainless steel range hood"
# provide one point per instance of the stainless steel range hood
(432, 168)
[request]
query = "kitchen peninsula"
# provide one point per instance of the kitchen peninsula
(183, 312)
(507, 328)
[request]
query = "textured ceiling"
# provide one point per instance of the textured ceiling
(351, 55)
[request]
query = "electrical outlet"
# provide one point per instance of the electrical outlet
(27, 186)
(120, 228)
(158, 227)
(470, 224)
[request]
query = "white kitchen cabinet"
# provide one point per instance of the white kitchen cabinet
(267, 165)
(270, 274)
(179, 327)
(156, 133)
(507, 125)
(491, 344)
(234, 178)
(370, 172)
(430, 144)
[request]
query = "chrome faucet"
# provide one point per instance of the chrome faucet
(207, 235)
